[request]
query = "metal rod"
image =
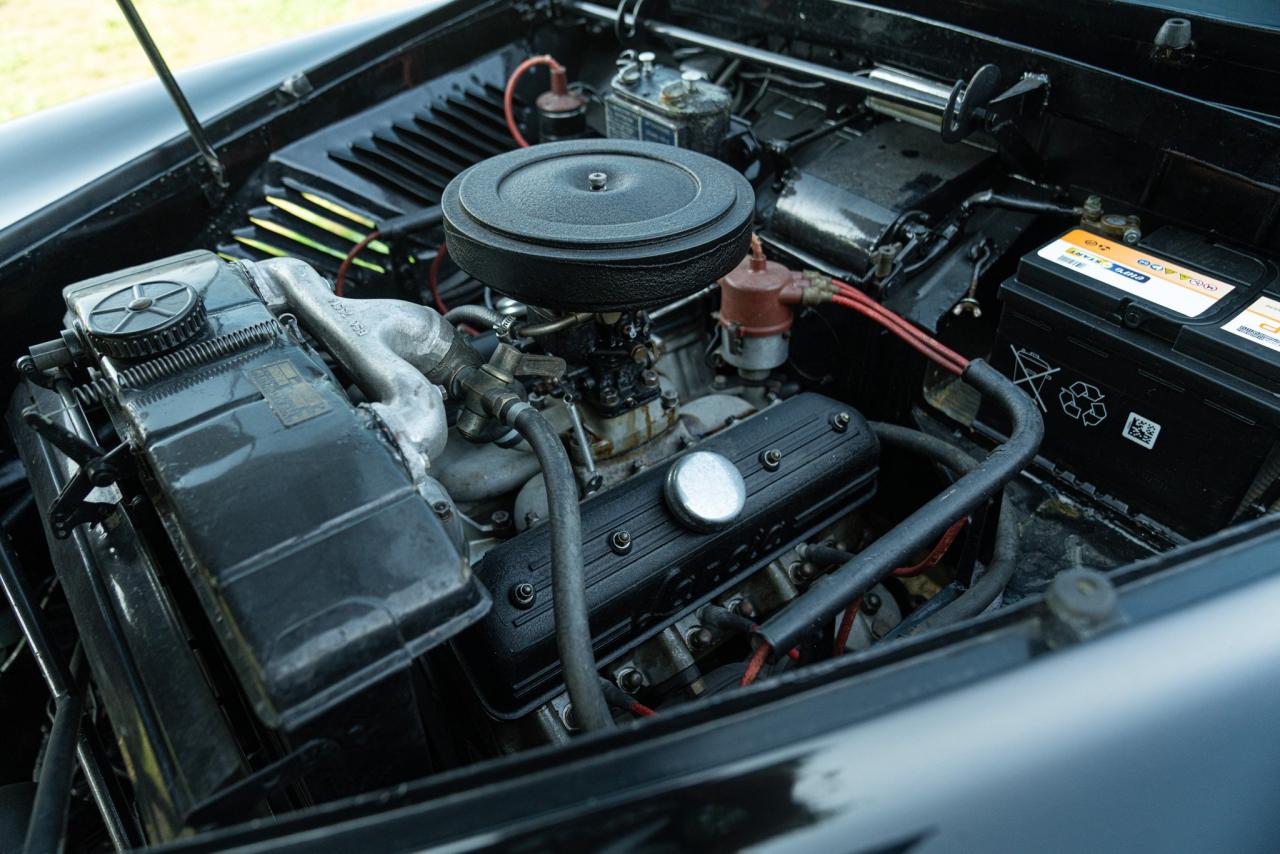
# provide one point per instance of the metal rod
(47, 827)
(580, 435)
(55, 676)
(207, 154)
(659, 313)
(889, 90)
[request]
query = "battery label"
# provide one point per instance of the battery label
(1133, 271)
(1259, 323)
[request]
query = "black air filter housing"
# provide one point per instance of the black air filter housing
(598, 225)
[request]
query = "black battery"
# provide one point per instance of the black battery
(1157, 370)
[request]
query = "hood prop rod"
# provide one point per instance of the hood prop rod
(210, 157)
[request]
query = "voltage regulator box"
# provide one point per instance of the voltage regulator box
(1157, 370)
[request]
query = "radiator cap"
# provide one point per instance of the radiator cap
(598, 225)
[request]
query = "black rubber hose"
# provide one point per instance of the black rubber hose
(831, 594)
(474, 315)
(48, 824)
(1004, 560)
(1004, 554)
(568, 587)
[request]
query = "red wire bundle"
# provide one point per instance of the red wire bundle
(922, 342)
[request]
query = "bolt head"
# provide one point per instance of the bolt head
(802, 571)
(700, 638)
(523, 595)
(620, 542)
(771, 459)
(744, 608)
(442, 510)
(631, 680)
(840, 421)
(871, 603)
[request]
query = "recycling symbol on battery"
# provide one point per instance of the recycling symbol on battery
(1083, 402)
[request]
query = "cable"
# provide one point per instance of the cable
(850, 297)
(568, 588)
(641, 709)
(931, 560)
(755, 663)
(846, 625)
(341, 278)
(508, 96)
(433, 279)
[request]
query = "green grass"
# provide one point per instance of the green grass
(54, 51)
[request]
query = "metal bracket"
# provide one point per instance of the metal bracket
(97, 468)
(521, 364)
(980, 104)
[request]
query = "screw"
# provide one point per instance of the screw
(744, 608)
(597, 180)
(442, 510)
(669, 398)
(801, 571)
(771, 459)
(649, 377)
(620, 542)
(631, 680)
(500, 519)
(840, 421)
(699, 638)
(871, 603)
(523, 595)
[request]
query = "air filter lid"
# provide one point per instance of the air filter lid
(597, 225)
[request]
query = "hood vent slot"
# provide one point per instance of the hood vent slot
(326, 191)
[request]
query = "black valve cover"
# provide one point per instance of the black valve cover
(598, 225)
(510, 656)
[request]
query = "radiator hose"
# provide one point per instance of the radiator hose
(831, 594)
(568, 587)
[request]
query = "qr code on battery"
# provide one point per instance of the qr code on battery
(1141, 430)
